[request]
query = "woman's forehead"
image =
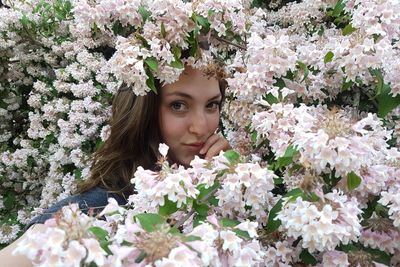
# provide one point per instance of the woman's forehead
(192, 81)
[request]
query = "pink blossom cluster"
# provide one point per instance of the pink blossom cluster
(69, 240)
(387, 241)
(390, 198)
(250, 185)
(224, 15)
(295, 54)
(242, 185)
(335, 258)
(323, 225)
(65, 242)
(326, 139)
(281, 252)
(266, 58)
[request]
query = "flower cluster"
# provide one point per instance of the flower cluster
(66, 241)
(244, 188)
(323, 225)
(311, 103)
(326, 139)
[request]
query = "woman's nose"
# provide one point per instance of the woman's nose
(198, 124)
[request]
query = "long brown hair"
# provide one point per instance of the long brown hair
(133, 141)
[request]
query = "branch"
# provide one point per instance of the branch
(192, 211)
(229, 42)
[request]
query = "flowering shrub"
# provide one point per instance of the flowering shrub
(312, 108)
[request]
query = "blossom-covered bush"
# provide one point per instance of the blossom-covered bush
(312, 111)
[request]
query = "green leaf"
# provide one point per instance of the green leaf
(311, 197)
(280, 83)
(328, 57)
(241, 233)
(152, 63)
(346, 85)
(271, 99)
(104, 245)
(177, 64)
(203, 22)
(213, 201)
(144, 13)
(353, 181)
(307, 258)
(273, 224)
(168, 208)
(205, 191)
(177, 51)
(191, 238)
(348, 30)
(229, 222)
(339, 7)
(378, 255)
(141, 257)
(377, 73)
(150, 82)
(78, 174)
(100, 233)
(149, 221)
(369, 210)
(278, 181)
(198, 219)
(99, 143)
(386, 102)
(287, 158)
(201, 208)
(31, 161)
(9, 200)
(163, 32)
(50, 138)
(304, 68)
(174, 231)
(24, 21)
(232, 156)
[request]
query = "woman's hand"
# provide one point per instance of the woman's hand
(214, 144)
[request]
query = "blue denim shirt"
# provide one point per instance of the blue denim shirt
(95, 197)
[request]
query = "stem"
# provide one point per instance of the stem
(192, 211)
(229, 42)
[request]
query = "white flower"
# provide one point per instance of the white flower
(95, 252)
(163, 149)
(112, 207)
(75, 253)
(231, 241)
(248, 226)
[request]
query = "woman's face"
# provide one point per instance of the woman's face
(189, 114)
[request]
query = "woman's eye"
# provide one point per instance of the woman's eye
(213, 105)
(178, 106)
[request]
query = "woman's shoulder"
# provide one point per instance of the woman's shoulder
(94, 199)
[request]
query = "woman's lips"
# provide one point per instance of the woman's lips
(195, 146)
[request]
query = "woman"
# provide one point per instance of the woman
(184, 115)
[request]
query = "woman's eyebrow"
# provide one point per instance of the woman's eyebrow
(190, 97)
(215, 97)
(179, 94)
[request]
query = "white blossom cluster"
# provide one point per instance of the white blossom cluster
(56, 82)
(65, 242)
(243, 185)
(265, 58)
(326, 139)
(70, 240)
(322, 225)
(391, 199)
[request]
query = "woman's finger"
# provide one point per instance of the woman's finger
(220, 144)
(209, 142)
